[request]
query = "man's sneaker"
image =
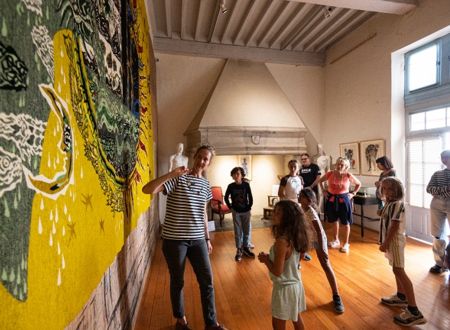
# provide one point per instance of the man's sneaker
(436, 269)
(247, 253)
(338, 304)
(406, 318)
(238, 256)
(394, 300)
(345, 248)
(334, 244)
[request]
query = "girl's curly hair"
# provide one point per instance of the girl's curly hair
(293, 225)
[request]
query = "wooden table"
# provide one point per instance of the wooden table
(362, 201)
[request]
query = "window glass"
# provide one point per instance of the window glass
(415, 151)
(422, 68)
(432, 149)
(416, 195)
(417, 121)
(416, 173)
(435, 118)
(423, 160)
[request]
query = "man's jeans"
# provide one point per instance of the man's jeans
(175, 253)
(439, 216)
(241, 223)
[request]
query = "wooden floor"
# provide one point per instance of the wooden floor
(243, 290)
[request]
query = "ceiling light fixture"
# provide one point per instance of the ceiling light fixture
(223, 7)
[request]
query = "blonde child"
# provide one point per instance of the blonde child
(308, 200)
(291, 239)
(393, 221)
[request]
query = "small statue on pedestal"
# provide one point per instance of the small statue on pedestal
(178, 159)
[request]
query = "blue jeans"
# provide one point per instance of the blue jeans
(175, 253)
(241, 224)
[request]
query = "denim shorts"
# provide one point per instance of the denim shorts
(339, 207)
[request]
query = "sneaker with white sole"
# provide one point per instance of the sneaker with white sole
(394, 300)
(345, 248)
(334, 244)
(406, 318)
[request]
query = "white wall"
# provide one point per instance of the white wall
(359, 103)
(183, 83)
(304, 87)
(264, 171)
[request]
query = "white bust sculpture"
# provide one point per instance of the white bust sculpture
(323, 161)
(178, 159)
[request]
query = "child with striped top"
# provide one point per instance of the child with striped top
(393, 222)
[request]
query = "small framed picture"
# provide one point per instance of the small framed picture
(245, 161)
(351, 152)
(370, 151)
(272, 200)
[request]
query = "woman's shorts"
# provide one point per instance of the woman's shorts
(339, 207)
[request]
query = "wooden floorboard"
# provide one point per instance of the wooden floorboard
(243, 290)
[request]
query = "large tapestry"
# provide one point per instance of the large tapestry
(76, 146)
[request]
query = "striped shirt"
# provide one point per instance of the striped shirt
(187, 196)
(393, 211)
(439, 185)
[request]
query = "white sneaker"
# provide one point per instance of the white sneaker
(334, 244)
(345, 248)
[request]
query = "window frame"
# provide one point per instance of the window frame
(438, 44)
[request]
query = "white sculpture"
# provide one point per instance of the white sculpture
(178, 159)
(323, 161)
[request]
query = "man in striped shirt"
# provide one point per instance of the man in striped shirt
(185, 234)
(439, 187)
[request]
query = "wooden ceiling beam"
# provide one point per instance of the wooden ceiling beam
(202, 49)
(259, 21)
(397, 7)
(168, 18)
(244, 20)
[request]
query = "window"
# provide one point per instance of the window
(422, 67)
(423, 160)
(428, 120)
(427, 105)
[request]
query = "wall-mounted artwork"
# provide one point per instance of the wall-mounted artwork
(370, 151)
(351, 152)
(245, 161)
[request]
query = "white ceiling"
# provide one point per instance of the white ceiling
(292, 32)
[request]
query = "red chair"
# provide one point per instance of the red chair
(218, 206)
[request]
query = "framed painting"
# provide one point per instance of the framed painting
(351, 152)
(370, 151)
(245, 161)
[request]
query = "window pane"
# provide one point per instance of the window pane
(415, 151)
(422, 68)
(416, 195)
(429, 169)
(432, 151)
(435, 118)
(416, 173)
(417, 121)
